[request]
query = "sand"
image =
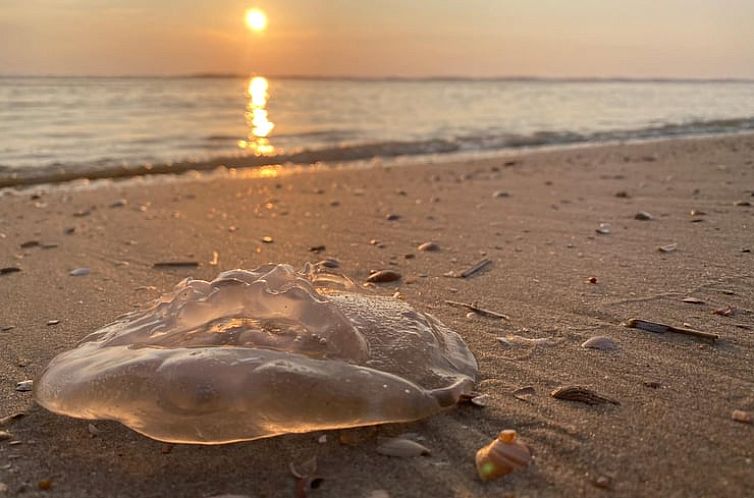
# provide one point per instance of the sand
(672, 434)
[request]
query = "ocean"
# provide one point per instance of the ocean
(105, 123)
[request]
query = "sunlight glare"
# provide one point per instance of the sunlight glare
(257, 118)
(256, 20)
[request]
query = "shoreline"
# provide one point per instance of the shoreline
(387, 152)
(559, 280)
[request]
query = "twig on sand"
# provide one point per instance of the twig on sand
(11, 418)
(661, 328)
(644, 298)
(176, 264)
(478, 266)
(477, 309)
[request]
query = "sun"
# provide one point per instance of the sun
(256, 20)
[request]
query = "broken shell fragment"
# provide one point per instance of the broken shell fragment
(383, 276)
(603, 229)
(402, 447)
(643, 216)
(692, 300)
(429, 247)
(513, 340)
(481, 400)
(304, 469)
(502, 456)
(742, 416)
(328, 263)
(582, 395)
(599, 342)
(524, 393)
(668, 248)
(80, 272)
(221, 361)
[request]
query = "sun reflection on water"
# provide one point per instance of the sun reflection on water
(257, 119)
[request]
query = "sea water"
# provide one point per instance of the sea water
(114, 122)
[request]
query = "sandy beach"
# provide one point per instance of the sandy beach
(534, 215)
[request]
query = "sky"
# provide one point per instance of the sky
(381, 38)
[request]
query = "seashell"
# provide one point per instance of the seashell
(524, 393)
(384, 276)
(600, 342)
(480, 401)
(582, 395)
(305, 469)
(502, 456)
(725, 311)
(742, 416)
(329, 263)
(401, 447)
(80, 272)
(429, 246)
(603, 229)
(692, 300)
(517, 340)
(643, 216)
(602, 482)
(668, 248)
(25, 386)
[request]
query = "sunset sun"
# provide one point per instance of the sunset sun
(256, 20)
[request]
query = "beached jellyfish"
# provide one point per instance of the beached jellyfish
(259, 353)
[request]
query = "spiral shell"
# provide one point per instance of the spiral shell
(502, 456)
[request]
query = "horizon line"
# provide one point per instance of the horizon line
(397, 78)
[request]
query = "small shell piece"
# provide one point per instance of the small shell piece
(742, 416)
(429, 247)
(502, 456)
(599, 342)
(384, 276)
(402, 447)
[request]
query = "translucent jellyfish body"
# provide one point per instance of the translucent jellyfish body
(259, 353)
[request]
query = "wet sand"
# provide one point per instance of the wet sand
(671, 435)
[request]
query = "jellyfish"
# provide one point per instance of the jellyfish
(260, 353)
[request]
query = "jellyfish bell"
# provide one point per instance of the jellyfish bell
(259, 353)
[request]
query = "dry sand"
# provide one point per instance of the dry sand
(674, 439)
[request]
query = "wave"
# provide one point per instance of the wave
(12, 78)
(57, 172)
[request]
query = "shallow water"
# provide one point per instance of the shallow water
(103, 122)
